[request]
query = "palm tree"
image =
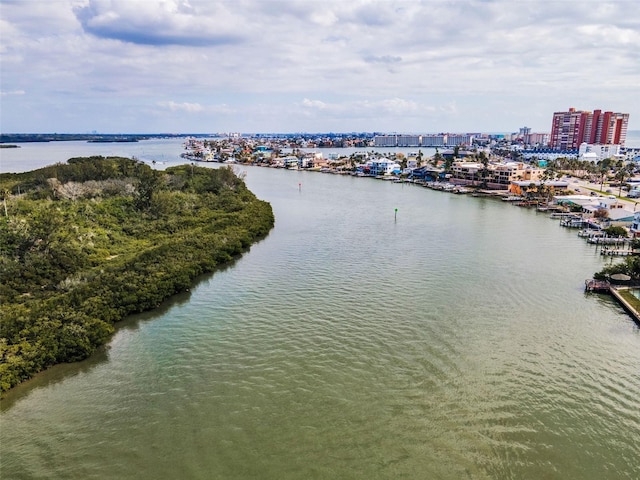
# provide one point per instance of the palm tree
(485, 167)
(624, 172)
(352, 161)
(448, 163)
(548, 174)
(603, 168)
(436, 158)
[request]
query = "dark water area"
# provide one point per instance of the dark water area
(452, 340)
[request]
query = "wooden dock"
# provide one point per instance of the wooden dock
(562, 215)
(573, 222)
(607, 240)
(591, 233)
(597, 286)
(613, 252)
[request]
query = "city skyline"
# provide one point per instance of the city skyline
(114, 66)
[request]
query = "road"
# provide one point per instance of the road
(584, 187)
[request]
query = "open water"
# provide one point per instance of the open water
(452, 339)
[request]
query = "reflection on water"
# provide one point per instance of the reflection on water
(131, 323)
(53, 376)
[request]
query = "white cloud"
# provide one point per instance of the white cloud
(609, 35)
(158, 22)
(184, 106)
(392, 106)
(12, 92)
(317, 104)
(358, 65)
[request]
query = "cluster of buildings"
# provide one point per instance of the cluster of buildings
(617, 212)
(585, 135)
(532, 139)
(577, 134)
(580, 134)
(426, 140)
(592, 135)
(512, 180)
(464, 169)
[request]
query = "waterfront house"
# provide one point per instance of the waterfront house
(617, 213)
(580, 200)
(635, 225)
(621, 217)
(505, 173)
(497, 176)
(412, 161)
(291, 162)
(313, 160)
(380, 166)
(519, 187)
(466, 173)
(426, 172)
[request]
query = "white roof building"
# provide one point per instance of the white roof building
(597, 152)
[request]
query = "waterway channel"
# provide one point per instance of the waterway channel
(452, 339)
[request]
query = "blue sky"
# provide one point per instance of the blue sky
(178, 66)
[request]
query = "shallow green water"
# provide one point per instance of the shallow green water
(454, 342)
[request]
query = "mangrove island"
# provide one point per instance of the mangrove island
(84, 244)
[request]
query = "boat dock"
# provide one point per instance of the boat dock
(562, 215)
(573, 222)
(591, 233)
(607, 240)
(613, 252)
(600, 286)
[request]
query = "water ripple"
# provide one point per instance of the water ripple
(455, 342)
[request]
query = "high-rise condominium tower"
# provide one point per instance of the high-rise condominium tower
(570, 129)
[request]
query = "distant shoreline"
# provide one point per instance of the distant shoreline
(633, 137)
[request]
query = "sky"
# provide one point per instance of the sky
(180, 66)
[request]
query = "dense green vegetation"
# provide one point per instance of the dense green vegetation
(86, 243)
(629, 266)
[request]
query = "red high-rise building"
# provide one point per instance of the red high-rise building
(570, 129)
